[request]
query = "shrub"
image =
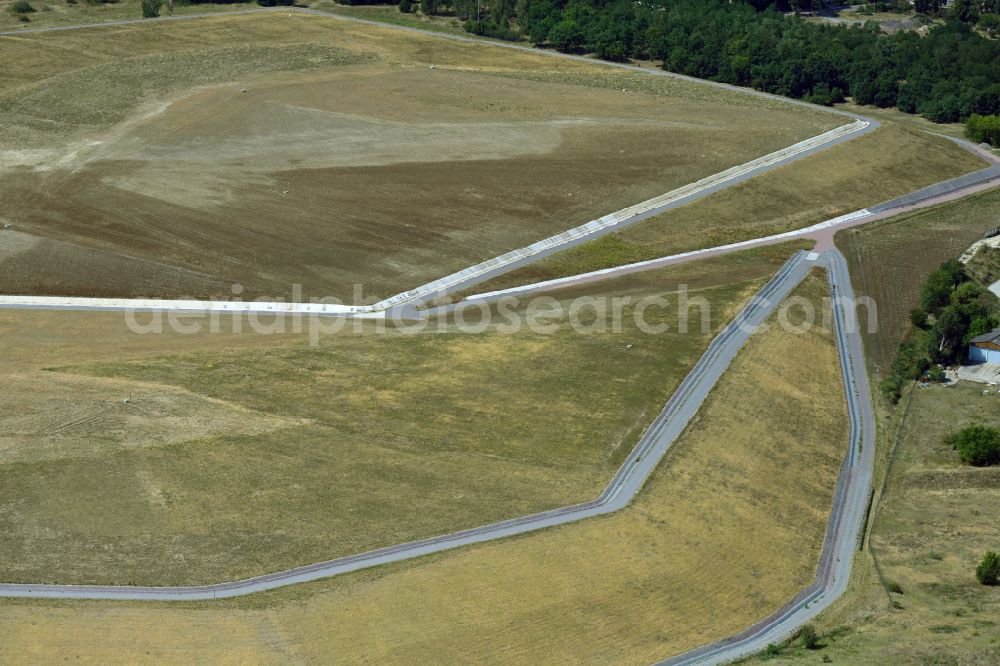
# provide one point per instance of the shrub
(491, 29)
(21, 7)
(810, 637)
(895, 588)
(406, 6)
(988, 571)
(275, 3)
(983, 129)
(772, 650)
(151, 8)
(990, 23)
(977, 445)
(918, 317)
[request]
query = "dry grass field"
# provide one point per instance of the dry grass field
(54, 13)
(242, 454)
(58, 13)
(937, 519)
(890, 259)
(132, 162)
(728, 529)
(889, 162)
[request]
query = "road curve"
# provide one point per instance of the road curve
(850, 501)
(846, 518)
(628, 480)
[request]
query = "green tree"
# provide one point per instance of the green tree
(948, 332)
(567, 35)
(151, 8)
(429, 7)
(988, 571)
(501, 11)
(983, 129)
(977, 445)
(918, 317)
(21, 7)
(464, 9)
(935, 293)
(990, 23)
(966, 11)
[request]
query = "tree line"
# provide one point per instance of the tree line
(946, 75)
(949, 74)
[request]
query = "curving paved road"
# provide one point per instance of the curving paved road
(629, 479)
(850, 500)
(846, 517)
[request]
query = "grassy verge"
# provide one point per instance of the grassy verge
(727, 530)
(885, 164)
(912, 120)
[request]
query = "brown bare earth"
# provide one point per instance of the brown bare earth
(133, 162)
(728, 529)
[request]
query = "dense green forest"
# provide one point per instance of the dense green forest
(947, 74)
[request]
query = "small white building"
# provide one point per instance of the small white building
(985, 348)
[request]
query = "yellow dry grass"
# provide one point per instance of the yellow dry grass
(932, 527)
(727, 531)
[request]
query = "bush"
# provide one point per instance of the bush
(21, 7)
(977, 445)
(918, 317)
(406, 6)
(990, 23)
(491, 29)
(936, 374)
(810, 637)
(988, 571)
(151, 8)
(983, 129)
(275, 3)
